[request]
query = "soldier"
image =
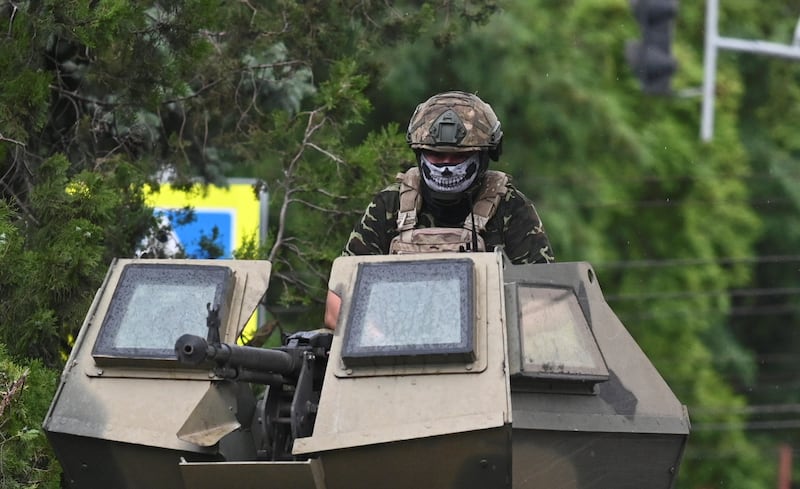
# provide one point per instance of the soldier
(450, 201)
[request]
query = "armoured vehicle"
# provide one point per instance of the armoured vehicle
(452, 370)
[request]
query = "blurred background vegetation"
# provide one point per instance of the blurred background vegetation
(695, 244)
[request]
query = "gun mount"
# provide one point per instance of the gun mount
(453, 370)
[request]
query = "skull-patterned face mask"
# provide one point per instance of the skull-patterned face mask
(450, 178)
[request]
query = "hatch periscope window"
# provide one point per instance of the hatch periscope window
(556, 340)
(411, 312)
(154, 304)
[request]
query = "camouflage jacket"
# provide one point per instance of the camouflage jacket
(515, 225)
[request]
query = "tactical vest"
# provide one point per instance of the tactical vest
(439, 239)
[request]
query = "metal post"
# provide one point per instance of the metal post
(710, 70)
(796, 39)
(784, 466)
(263, 223)
(759, 47)
(714, 43)
(263, 229)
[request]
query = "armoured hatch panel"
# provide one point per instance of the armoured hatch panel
(123, 397)
(597, 411)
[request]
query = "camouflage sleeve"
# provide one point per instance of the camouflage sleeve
(373, 233)
(524, 237)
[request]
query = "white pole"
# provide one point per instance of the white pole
(263, 229)
(263, 223)
(759, 47)
(714, 43)
(710, 70)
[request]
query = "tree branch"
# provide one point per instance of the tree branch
(327, 153)
(310, 205)
(13, 391)
(12, 141)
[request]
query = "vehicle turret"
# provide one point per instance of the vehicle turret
(452, 370)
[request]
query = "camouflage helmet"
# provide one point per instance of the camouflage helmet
(455, 122)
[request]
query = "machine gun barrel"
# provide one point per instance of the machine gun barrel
(194, 350)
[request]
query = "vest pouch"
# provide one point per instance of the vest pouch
(434, 240)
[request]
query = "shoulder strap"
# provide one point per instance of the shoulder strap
(493, 189)
(410, 199)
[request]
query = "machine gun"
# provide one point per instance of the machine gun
(292, 374)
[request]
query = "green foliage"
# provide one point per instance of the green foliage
(767, 108)
(25, 393)
(199, 89)
(71, 226)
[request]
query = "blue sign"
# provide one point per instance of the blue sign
(189, 234)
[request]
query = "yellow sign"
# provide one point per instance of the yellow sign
(234, 211)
